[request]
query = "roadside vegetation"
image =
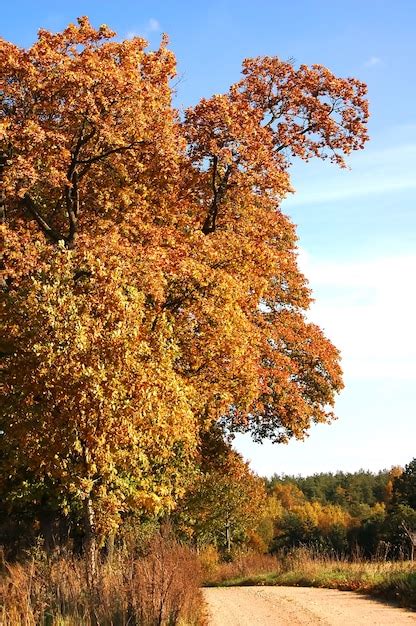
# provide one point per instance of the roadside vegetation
(391, 580)
(230, 528)
(154, 586)
(342, 531)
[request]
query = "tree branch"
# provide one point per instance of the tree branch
(72, 207)
(302, 132)
(3, 161)
(210, 223)
(103, 155)
(46, 228)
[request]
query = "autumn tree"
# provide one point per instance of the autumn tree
(151, 286)
(223, 506)
(321, 527)
(240, 145)
(288, 495)
(87, 126)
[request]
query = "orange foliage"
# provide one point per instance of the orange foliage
(394, 473)
(288, 495)
(151, 279)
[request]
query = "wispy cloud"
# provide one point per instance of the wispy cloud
(355, 189)
(373, 172)
(372, 61)
(152, 26)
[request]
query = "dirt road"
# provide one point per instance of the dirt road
(299, 606)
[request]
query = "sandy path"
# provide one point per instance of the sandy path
(299, 606)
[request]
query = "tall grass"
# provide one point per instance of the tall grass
(160, 588)
(244, 564)
(393, 580)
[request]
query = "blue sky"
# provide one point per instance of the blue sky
(357, 227)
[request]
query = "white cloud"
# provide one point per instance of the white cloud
(367, 309)
(372, 61)
(153, 25)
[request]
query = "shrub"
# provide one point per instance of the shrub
(159, 589)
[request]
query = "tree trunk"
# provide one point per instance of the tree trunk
(90, 541)
(228, 536)
(3, 160)
(47, 518)
(110, 546)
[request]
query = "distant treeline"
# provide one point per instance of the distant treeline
(360, 513)
(349, 490)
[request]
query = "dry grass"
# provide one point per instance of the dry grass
(161, 588)
(243, 565)
(394, 580)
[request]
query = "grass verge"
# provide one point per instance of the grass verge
(393, 581)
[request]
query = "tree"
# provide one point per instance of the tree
(288, 495)
(224, 505)
(399, 529)
(401, 519)
(404, 486)
(84, 123)
(322, 527)
(150, 278)
(394, 473)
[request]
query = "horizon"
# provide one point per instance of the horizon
(361, 470)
